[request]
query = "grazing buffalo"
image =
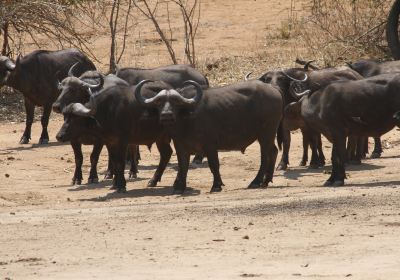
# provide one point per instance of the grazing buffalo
(225, 118)
(289, 81)
(174, 75)
(114, 116)
(35, 76)
(79, 90)
(350, 108)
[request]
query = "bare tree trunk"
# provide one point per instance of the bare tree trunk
(5, 49)
(113, 28)
(150, 15)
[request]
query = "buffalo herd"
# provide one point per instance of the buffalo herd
(133, 107)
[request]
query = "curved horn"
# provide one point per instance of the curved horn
(308, 64)
(95, 87)
(71, 70)
(246, 78)
(198, 96)
(10, 65)
(295, 94)
(78, 109)
(349, 64)
(295, 80)
(17, 62)
(142, 101)
(117, 69)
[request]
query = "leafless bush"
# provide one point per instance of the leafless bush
(344, 30)
(54, 20)
(190, 11)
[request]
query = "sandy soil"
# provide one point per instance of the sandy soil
(295, 229)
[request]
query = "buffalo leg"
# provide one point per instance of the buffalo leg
(44, 137)
(110, 171)
(198, 158)
(377, 148)
(183, 166)
(77, 147)
(94, 159)
(338, 161)
(213, 163)
(118, 156)
(306, 142)
(315, 159)
(270, 163)
(134, 161)
(258, 181)
(321, 155)
(165, 155)
(285, 154)
(30, 111)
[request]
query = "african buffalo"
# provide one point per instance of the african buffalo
(174, 75)
(79, 90)
(114, 116)
(225, 118)
(35, 76)
(288, 81)
(345, 108)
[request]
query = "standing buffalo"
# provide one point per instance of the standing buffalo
(79, 90)
(287, 81)
(225, 118)
(114, 116)
(35, 76)
(174, 75)
(350, 108)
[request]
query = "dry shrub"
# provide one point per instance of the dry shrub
(337, 31)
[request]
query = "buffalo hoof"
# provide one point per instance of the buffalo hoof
(354, 162)
(152, 183)
(76, 181)
(132, 175)
(338, 183)
(314, 166)
(178, 191)
(24, 140)
(375, 155)
(215, 189)
(328, 183)
(281, 166)
(108, 176)
(43, 141)
(93, 180)
(303, 163)
(118, 189)
(255, 185)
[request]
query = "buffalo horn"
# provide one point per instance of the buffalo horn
(95, 87)
(198, 96)
(71, 70)
(142, 101)
(78, 109)
(295, 94)
(246, 78)
(296, 80)
(308, 64)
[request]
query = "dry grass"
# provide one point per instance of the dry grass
(337, 31)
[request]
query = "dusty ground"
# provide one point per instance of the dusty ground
(294, 229)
